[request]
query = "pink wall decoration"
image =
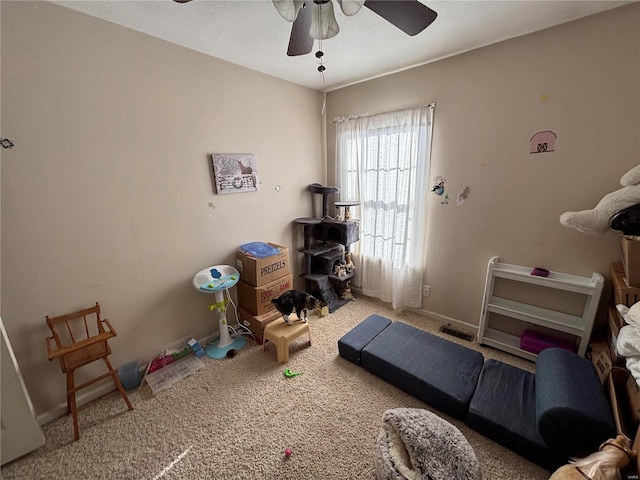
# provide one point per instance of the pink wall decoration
(543, 142)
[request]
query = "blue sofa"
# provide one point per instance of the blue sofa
(547, 417)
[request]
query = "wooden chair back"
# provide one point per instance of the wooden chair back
(79, 338)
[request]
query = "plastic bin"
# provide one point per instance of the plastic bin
(129, 375)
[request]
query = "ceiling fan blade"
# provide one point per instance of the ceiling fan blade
(300, 43)
(410, 16)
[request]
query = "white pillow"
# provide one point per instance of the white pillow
(631, 315)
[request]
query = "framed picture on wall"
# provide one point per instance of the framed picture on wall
(234, 172)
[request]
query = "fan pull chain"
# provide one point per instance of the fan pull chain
(319, 55)
(321, 67)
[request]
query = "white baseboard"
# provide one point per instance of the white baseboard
(87, 396)
(446, 320)
(106, 387)
(92, 393)
(433, 315)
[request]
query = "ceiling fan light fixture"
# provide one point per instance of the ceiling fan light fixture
(315, 19)
(350, 7)
(323, 21)
(288, 9)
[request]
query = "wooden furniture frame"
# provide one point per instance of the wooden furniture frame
(528, 315)
(78, 340)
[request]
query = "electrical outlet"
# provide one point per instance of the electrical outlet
(426, 290)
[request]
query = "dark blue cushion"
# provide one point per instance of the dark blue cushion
(351, 344)
(503, 409)
(572, 409)
(437, 371)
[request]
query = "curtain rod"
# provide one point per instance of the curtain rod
(361, 115)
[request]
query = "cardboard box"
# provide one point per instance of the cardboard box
(630, 472)
(257, 323)
(630, 257)
(633, 394)
(623, 402)
(602, 362)
(257, 300)
(616, 318)
(617, 267)
(598, 343)
(625, 423)
(622, 292)
(260, 271)
(614, 324)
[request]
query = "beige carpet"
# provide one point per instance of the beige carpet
(234, 418)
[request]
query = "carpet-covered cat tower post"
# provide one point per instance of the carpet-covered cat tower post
(327, 250)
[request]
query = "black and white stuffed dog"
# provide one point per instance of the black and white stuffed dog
(294, 300)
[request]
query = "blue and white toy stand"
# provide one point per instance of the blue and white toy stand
(216, 280)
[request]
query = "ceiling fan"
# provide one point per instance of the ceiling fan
(315, 19)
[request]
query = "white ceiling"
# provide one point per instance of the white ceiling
(251, 33)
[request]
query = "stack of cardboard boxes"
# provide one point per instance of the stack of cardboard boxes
(622, 387)
(261, 280)
(625, 283)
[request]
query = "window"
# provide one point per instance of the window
(383, 161)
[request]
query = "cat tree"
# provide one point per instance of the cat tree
(327, 250)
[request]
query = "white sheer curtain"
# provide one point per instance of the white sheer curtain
(383, 161)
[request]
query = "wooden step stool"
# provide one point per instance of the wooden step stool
(281, 334)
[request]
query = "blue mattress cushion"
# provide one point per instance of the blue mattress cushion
(439, 372)
(503, 409)
(351, 344)
(573, 413)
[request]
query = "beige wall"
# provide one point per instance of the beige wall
(580, 80)
(105, 196)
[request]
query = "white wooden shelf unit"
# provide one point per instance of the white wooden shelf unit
(579, 326)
